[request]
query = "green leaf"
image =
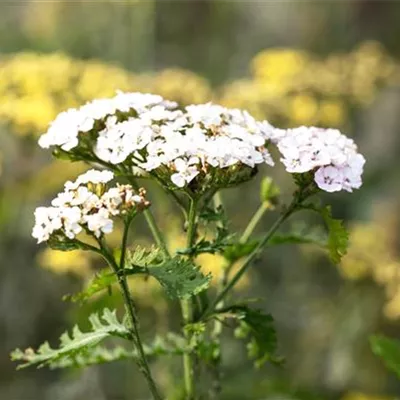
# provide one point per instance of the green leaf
(239, 250)
(301, 236)
(388, 350)
(338, 236)
(179, 276)
(217, 214)
(143, 257)
(169, 345)
(78, 342)
(101, 281)
(258, 328)
(222, 240)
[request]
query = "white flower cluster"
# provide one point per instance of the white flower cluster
(333, 156)
(86, 205)
(147, 132)
(154, 133)
(202, 137)
(65, 129)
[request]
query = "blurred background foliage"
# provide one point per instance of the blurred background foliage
(328, 63)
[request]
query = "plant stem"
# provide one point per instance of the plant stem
(187, 310)
(142, 361)
(131, 309)
(216, 372)
(250, 258)
(256, 218)
(151, 222)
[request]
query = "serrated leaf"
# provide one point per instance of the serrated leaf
(102, 327)
(101, 281)
(258, 328)
(169, 345)
(388, 350)
(179, 276)
(144, 257)
(338, 236)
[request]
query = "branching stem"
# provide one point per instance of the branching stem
(251, 257)
(130, 307)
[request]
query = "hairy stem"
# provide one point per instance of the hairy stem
(187, 309)
(131, 310)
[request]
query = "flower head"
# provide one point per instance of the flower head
(201, 142)
(87, 205)
(327, 152)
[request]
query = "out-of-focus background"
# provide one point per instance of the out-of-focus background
(327, 63)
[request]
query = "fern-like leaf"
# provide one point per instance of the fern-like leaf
(169, 345)
(78, 342)
(179, 276)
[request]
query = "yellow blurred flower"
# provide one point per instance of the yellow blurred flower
(75, 262)
(303, 109)
(377, 259)
(279, 67)
(34, 88)
(291, 87)
(177, 84)
(363, 396)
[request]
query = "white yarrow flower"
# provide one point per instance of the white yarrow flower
(333, 156)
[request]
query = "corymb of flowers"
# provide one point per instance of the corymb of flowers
(329, 154)
(199, 147)
(88, 206)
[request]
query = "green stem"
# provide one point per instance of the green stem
(187, 310)
(256, 218)
(151, 222)
(131, 309)
(250, 258)
(216, 372)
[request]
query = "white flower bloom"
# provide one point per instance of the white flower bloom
(92, 176)
(331, 154)
(329, 179)
(83, 206)
(207, 114)
(99, 222)
(64, 130)
(47, 220)
(152, 133)
(71, 218)
(186, 172)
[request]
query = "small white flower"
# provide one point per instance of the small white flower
(185, 172)
(71, 218)
(99, 222)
